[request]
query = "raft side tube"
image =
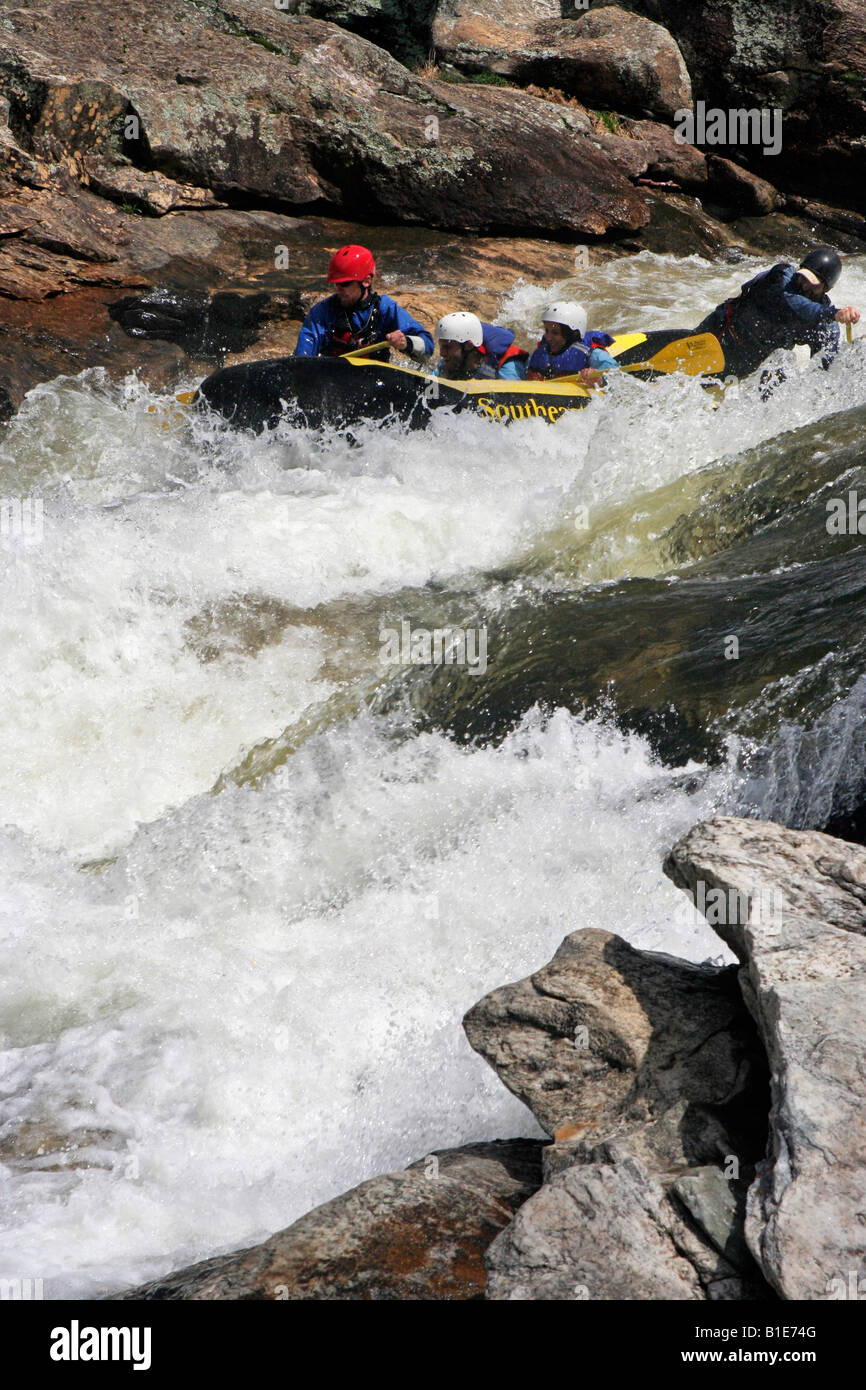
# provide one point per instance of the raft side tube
(315, 391)
(319, 391)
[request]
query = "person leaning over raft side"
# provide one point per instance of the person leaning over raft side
(354, 315)
(472, 350)
(780, 308)
(567, 349)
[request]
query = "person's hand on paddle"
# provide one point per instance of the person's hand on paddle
(848, 315)
(397, 340)
(590, 376)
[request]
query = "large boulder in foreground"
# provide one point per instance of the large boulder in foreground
(606, 57)
(792, 906)
(611, 1232)
(420, 1234)
(648, 1072)
(608, 1043)
(244, 99)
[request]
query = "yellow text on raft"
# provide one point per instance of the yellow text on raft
(500, 411)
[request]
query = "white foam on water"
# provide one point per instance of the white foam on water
(807, 775)
(649, 291)
(639, 435)
(113, 713)
(260, 1004)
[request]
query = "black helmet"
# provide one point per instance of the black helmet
(825, 264)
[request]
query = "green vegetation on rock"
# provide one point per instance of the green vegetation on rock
(609, 120)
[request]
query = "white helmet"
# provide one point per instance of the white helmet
(566, 312)
(461, 328)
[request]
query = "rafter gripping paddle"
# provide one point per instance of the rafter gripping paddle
(368, 350)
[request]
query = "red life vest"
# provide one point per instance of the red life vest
(510, 352)
(513, 351)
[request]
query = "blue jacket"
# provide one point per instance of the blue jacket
(776, 282)
(328, 318)
(585, 352)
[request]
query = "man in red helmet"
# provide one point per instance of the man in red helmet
(354, 315)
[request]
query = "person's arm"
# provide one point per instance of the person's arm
(395, 320)
(831, 335)
(602, 361)
(314, 332)
(513, 370)
(811, 311)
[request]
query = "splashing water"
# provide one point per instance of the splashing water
(220, 1008)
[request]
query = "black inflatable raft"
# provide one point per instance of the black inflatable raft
(342, 391)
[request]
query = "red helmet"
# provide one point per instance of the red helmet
(350, 263)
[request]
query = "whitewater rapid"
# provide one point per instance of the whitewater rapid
(221, 1008)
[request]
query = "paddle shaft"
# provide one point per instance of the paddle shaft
(368, 350)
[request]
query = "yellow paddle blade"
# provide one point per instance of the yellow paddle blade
(368, 350)
(701, 353)
(185, 397)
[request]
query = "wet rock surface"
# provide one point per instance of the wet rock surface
(792, 906)
(150, 308)
(420, 1234)
(648, 1073)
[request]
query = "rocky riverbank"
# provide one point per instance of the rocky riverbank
(230, 146)
(707, 1138)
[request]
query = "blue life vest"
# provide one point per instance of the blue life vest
(571, 359)
(344, 335)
